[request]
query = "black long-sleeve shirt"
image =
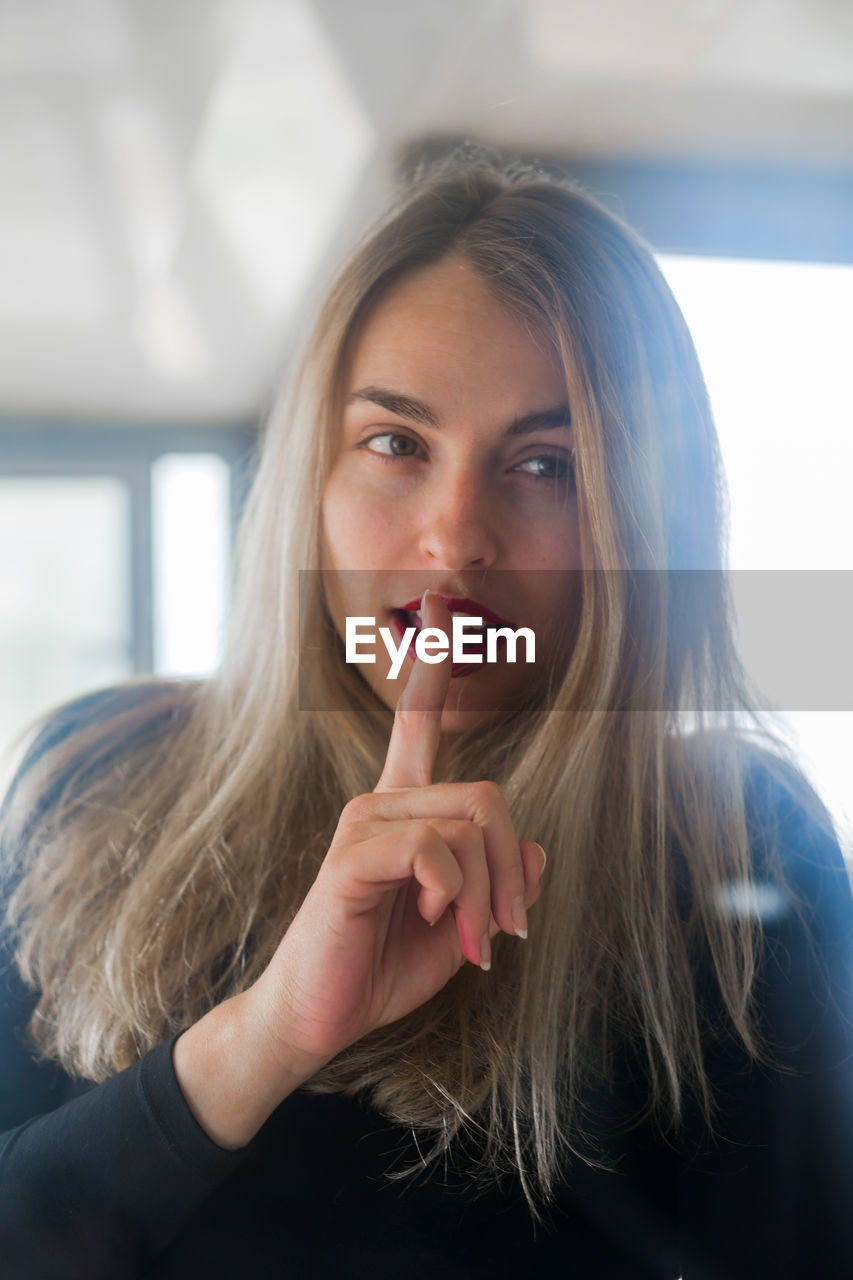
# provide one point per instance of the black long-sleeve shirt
(118, 1180)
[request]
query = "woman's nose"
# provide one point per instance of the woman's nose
(458, 525)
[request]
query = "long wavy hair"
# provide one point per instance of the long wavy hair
(162, 835)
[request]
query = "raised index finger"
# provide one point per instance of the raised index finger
(417, 720)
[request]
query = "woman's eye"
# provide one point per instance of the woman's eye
(391, 444)
(547, 466)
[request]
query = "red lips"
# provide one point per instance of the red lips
(462, 604)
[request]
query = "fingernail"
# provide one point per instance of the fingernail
(544, 854)
(486, 953)
(519, 917)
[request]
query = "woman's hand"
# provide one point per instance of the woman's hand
(418, 879)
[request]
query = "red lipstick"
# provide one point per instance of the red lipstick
(462, 604)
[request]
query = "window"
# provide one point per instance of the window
(772, 338)
(114, 556)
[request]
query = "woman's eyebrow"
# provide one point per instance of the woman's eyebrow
(394, 402)
(417, 411)
(541, 420)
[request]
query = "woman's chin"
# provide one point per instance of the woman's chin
(461, 720)
(474, 700)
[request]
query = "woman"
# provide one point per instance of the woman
(304, 997)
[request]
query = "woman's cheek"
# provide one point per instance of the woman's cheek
(346, 523)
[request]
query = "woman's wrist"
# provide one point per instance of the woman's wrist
(230, 1077)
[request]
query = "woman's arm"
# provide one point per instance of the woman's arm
(231, 1081)
(97, 1185)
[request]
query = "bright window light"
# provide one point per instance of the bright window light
(65, 621)
(190, 506)
(774, 342)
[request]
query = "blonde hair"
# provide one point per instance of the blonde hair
(165, 834)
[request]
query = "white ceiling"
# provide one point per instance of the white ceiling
(179, 175)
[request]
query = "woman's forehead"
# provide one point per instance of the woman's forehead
(444, 322)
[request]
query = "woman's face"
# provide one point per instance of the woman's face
(453, 472)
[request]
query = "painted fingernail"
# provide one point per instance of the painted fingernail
(519, 917)
(544, 854)
(486, 953)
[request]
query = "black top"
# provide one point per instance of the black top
(118, 1180)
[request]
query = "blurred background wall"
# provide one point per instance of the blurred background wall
(180, 177)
